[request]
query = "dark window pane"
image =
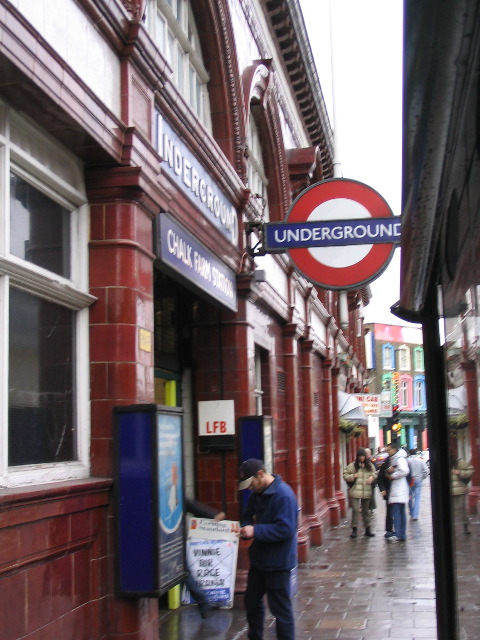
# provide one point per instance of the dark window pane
(39, 228)
(41, 426)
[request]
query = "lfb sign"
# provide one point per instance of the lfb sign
(216, 418)
(340, 234)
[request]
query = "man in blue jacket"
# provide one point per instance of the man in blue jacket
(270, 521)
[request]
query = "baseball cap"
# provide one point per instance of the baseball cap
(248, 470)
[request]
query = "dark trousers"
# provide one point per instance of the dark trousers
(276, 585)
(389, 518)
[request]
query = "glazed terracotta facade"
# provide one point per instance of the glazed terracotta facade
(281, 344)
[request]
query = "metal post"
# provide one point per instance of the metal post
(438, 438)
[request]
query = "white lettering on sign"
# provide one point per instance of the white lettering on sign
(321, 233)
(179, 248)
(371, 403)
(179, 160)
(205, 270)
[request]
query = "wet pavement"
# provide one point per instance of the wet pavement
(363, 588)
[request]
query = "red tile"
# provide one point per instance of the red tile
(58, 532)
(101, 457)
(80, 624)
(97, 222)
(112, 265)
(143, 230)
(93, 111)
(122, 380)
(82, 584)
(128, 616)
(38, 596)
(145, 273)
(63, 591)
(101, 411)
(12, 600)
(120, 221)
(8, 546)
(112, 343)
(32, 538)
(81, 526)
(98, 380)
(98, 310)
(122, 305)
(100, 530)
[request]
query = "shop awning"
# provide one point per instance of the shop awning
(457, 400)
(350, 408)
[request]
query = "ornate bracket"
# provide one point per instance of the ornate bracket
(255, 246)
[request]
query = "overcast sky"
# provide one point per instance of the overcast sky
(366, 44)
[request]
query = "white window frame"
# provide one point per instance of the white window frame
(178, 42)
(387, 356)
(49, 167)
(418, 394)
(403, 393)
(418, 359)
(257, 180)
(403, 353)
(258, 391)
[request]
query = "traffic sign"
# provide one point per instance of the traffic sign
(340, 234)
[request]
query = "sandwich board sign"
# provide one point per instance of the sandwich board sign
(339, 233)
(212, 550)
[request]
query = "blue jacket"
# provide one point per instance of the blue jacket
(274, 516)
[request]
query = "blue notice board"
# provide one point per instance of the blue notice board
(149, 496)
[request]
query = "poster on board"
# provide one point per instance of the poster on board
(212, 550)
(170, 497)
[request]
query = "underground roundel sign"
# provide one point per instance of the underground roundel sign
(340, 234)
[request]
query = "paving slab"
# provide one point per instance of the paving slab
(361, 589)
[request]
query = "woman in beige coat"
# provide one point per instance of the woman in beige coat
(360, 475)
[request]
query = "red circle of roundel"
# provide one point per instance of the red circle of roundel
(363, 271)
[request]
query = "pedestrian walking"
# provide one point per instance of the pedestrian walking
(383, 480)
(399, 491)
(418, 471)
(360, 476)
(270, 521)
(462, 472)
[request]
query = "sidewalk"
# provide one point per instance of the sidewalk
(363, 588)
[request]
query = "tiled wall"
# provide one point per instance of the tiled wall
(54, 561)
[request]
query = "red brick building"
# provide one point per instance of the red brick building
(139, 142)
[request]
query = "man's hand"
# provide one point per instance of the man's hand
(246, 532)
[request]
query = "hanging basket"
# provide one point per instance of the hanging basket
(358, 431)
(458, 423)
(347, 426)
